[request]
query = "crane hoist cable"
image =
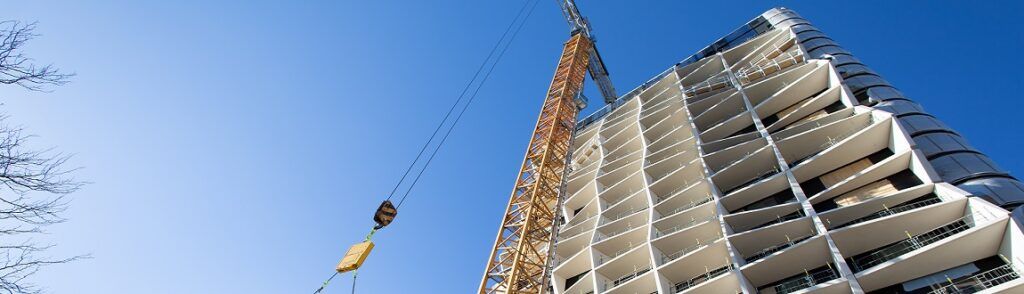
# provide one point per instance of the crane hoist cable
(457, 101)
(471, 98)
(387, 211)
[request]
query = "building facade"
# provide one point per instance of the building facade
(773, 161)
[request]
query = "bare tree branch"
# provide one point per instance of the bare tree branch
(19, 261)
(33, 183)
(18, 69)
(33, 186)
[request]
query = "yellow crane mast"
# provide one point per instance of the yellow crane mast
(519, 259)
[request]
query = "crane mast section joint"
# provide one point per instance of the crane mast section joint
(520, 259)
(598, 71)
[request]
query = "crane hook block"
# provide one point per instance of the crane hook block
(385, 214)
(354, 257)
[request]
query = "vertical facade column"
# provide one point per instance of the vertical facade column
(736, 260)
(794, 185)
(648, 197)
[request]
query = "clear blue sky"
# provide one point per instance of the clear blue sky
(242, 147)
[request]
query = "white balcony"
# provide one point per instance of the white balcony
(740, 199)
(758, 48)
(730, 126)
(697, 108)
(718, 160)
(914, 244)
(722, 144)
(673, 150)
(755, 168)
(723, 110)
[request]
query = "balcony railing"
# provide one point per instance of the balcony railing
(760, 204)
(681, 166)
(763, 175)
(686, 185)
(601, 259)
(979, 282)
(806, 280)
(771, 250)
(651, 97)
(691, 223)
(690, 205)
(775, 49)
(780, 219)
(664, 154)
(611, 159)
(601, 236)
(625, 278)
(700, 244)
(711, 274)
(911, 243)
(601, 171)
(629, 194)
(831, 141)
(580, 219)
(622, 215)
(724, 119)
(647, 107)
(563, 237)
(614, 117)
(652, 118)
(711, 85)
(757, 72)
(812, 124)
(741, 158)
(669, 132)
(891, 211)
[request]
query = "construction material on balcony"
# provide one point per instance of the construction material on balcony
(710, 86)
(778, 58)
(887, 211)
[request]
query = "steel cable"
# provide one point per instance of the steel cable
(521, 20)
(461, 96)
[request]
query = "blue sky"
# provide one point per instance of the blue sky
(241, 147)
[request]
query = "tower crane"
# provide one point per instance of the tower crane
(598, 72)
(520, 260)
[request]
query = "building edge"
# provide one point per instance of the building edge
(955, 160)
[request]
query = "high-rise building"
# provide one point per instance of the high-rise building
(773, 161)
